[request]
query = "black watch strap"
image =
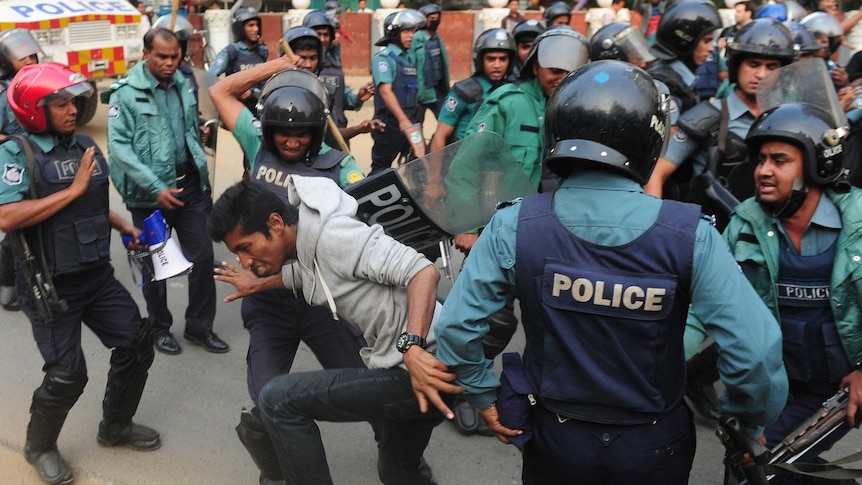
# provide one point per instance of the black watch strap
(407, 340)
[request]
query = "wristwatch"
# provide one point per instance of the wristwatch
(406, 340)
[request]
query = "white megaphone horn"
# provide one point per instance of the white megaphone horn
(168, 260)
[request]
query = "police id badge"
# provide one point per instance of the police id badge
(12, 174)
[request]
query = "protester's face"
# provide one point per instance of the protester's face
(752, 71)
(524, 49)
(307, 59)
(778, 164)
(406, 37)
(325, 37)
(26, 61)
(164, 58)
(263, 255)
(252, 30)
(362, 4)
(495, 64)
(63, 116)
(740, 14)
(548, 78)
(513, 6)
(292, 143)
(703, 50)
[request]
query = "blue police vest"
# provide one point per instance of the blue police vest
(433, 61)
(333, 76)
(405, 87)
(271, 171)
(79, 236)
(812, 347)
(242, 59)
(604, 325)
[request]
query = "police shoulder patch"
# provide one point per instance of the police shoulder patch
(12, 174)
(383, 66)
(114, 111)
(255, 123)
(680, 135)
(451, 104)
(354, 176)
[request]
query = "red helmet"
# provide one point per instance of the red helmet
(40, 84)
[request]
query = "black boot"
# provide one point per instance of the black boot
(122, 395)
(256, 440)
(52, 401)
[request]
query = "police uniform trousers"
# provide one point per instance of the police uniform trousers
(566, 451)
(277, 321)
(96, 298)
(388, 144)
(190, 228)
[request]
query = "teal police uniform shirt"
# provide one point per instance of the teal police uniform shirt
(249, 135)
(384, 68)
(612, 211)
(517, 114)
(458, 113)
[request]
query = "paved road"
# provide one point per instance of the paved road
(194, 399)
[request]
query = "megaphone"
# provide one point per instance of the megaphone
(168, 260)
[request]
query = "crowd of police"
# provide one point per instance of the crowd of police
(632, 305)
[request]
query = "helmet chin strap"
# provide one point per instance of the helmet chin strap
(797, 197)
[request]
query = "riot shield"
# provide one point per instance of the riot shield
(447, 192)
(806, 81)
(209, 121)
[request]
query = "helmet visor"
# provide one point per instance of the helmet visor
(562, 52)
(16, 44)
(634, 44)
(62, 95)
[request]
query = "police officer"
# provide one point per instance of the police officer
(623, 42)
(287, 138)
(157, 162)
(557, 13)
(331, 72)
(395, 77)
(18, 48)
(246, 52)
(183, 30)
(759, 48)
(604, 311)
(684, 42)
(524, 33)
(493, 60)
(432, 62)
(829, 34)
(65, 221)
(797, 243)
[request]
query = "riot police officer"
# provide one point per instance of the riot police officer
(18, 48)
(557, 13)
(684, 42)
(525, 33)
(623, 42)
(183, 29)
(493, 61)
(603, 363)
(432, 62)
(829, 34)
(760, 47)
(287, 138)
(396, 97)
(64, 221)
(246, 52)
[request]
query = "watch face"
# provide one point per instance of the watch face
(402, 345)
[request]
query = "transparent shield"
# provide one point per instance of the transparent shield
(208, 119)
(806, 81)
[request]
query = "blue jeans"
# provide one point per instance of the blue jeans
(290, 404)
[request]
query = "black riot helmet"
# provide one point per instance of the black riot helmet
(527, 30)
(681, 27)
(494, 40)
(621, 41)
(304, 38)
(15, 44)
(589, 124)
(240, 17)
(821, 24)
(556, 9)
(318, 20)
(429, 9)
(294, 98)
(396, 22)
(561, 48)
(763, 38)
(809, 128)
(183, 29)
(803, 38)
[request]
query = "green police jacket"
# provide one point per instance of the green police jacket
(517, 113)
(141, 151)
(754, 243)
(427, 95)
